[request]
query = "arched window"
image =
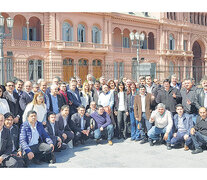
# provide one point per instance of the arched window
(145, 42)
(171, 15)
(191, 17)
(202, 18)
(198, 19)
(67, 32)
(81, 33)
(96, 35)
(171, 42)
(168, 16)
(174, 16)
(150, 40)
(35, 70)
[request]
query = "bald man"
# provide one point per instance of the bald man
(199, 131)
(27, 95)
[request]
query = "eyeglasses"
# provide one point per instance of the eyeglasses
(10, 85)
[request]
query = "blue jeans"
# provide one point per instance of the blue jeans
(194, 117)
(135, 132)
(144, 125)
(179, 139)
(198, 140)
(155, 132)
(109, 130)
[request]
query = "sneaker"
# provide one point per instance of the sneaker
(169, 146)
(151, 142)
(110, 143)
(53, 159)
(197, 151)
(143, 141)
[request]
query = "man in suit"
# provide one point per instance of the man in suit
(62, 119)
(6, 160)
(74, 97)
(55, 81)
(53, 131)
(56, 101)
(201, 94)
(143, 103)
(13, 101)
(97, 91)
(80, 125)
(27, 95)
(43, 88)
(18, 87)
(34, 140)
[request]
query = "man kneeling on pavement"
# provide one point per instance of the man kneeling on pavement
(102, 125)
(35, 142)
(199, 132)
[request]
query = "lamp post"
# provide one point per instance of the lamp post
(10, 23)
(140, 40)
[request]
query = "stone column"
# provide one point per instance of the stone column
(75, 35)
(27, 23)
(122, 44)
(42, 32)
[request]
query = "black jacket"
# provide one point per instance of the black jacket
(199, 98)
(61, 102)
(167, 99)
(6, 143)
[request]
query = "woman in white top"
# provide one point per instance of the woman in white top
(39, 106)
(121, 111)
(4, 106)
(86, 95)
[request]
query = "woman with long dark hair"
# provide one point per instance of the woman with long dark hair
(4, 106)
(121, 111)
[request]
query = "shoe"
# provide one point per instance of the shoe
(138, 139)
(110, 143)
(75, 143)
(63, 146)
(53, 159)
(143, 141)
(169, 146)
(132, 139)
(36, 161)
(151, 142)
(186, 148)
(197, 151)
(98, 141)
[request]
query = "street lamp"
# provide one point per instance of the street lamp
(10, 23)
(140, 40)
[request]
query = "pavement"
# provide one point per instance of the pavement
(125, 154)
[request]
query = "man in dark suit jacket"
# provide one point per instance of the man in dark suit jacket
(201, 95)
(53, 131)
(6, 160)
(13, 101)
(62, 119)
(74, 97)
(27, 95)
(55, 97)
(18, 86)
(97, 91)
(80, 124)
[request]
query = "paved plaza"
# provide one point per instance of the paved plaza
(125, 154)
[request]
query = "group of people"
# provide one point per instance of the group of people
(38, 119)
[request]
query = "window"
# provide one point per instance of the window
(121, 70)
(115, 70)
(32, 34)
(35, 70)
(150, 40)
(144, 46)
(96, 35)
(171, 42)
(185, 45)
(24, 33)
(67, 32)
(171, 68)
(81, 33)
(125, 42)
(9, 65)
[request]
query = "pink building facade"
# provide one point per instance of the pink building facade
(65, 44)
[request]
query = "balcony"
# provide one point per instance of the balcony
(23, 43)
(80, 46)
(177, 53)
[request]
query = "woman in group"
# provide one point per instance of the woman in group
(130, 107)
(121, 111)
(38, 105)
(4, 106)
(86, 95)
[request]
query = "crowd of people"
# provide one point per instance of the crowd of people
(38, 119)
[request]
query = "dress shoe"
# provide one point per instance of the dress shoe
(143, 141)
(82, 141)
(110, 142)
(169, 146)
(98, 141)
(151, 142)
(53, 159)
(138, 139)
(132, 139)
(186, 148)
(197, 151)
